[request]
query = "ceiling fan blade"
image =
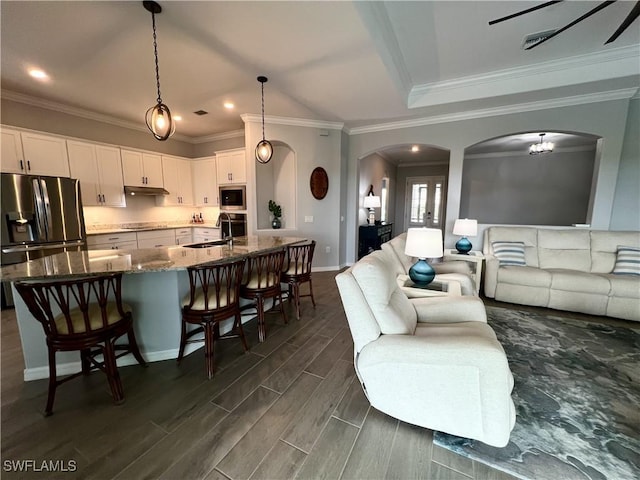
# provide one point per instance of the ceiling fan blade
(633, 14)
(577, 20)
(528, 10)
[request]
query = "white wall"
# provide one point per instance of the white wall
(311, 150)
(604, 119)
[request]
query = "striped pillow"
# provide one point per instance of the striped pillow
(509, 253)
(627, 261)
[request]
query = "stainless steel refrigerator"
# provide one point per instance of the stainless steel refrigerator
(41, 216)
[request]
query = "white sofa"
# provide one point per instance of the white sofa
(432, 362)
(566, 269)
(456, 270)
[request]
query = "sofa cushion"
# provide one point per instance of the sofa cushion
(390, 307)
(579, 282)
(566, 249)
(627, 261)
(604, 247)
(529, 276)
(509, 253)
(627, 286)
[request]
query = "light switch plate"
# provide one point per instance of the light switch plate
(308, 219)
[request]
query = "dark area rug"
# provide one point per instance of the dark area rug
(577, 398)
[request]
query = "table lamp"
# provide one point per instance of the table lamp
(371, 202)
(465, 227)
(423, 243)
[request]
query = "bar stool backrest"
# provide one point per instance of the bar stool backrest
(214, 286)
(263, 270)
(299, 259)
(77, 306)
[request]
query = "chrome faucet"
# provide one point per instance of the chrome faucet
(229, 237)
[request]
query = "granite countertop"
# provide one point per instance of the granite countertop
(142, 227)
(96, 262)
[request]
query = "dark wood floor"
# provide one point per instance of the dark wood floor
(290, 408)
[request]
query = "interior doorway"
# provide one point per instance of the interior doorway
(424, 202)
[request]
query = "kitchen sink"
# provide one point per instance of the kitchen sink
(213, 243)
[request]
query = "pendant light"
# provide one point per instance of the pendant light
(264, 149)
(541, 146)
(158, 117)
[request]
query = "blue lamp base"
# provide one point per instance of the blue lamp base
(463, 246)
(421, 273)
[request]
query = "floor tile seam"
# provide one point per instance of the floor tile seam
(295, 446)
(355, 440)
(449, 467)
(393, 443)
(147, 451)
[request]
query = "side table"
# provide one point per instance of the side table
(437, 288)
(474, 258)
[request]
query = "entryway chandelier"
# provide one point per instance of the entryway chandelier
(541, 146)
(158, 118)
(264, 149)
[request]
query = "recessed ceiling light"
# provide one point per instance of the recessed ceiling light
(228, 105)
(414, 148)
(38, 74)
(177, 118)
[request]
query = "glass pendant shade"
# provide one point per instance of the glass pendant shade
(541, 146)
(264, 151)
(159, 121)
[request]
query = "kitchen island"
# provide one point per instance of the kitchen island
(154, 282)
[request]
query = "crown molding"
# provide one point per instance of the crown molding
(217, 136)
(80, 112)
(606, 65)
(504, 110)
(295, 122)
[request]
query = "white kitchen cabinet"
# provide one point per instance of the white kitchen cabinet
(177, 180)
(44, 155)
(113, 241)
(183, 236)
(156, 238)
(99, 169)
(231, 166)
(141, 169)
(205, 184)
(12, 158)
(203, 234)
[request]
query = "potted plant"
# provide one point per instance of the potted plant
(276, 211)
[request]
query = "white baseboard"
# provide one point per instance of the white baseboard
(70, 368)
(325, 269)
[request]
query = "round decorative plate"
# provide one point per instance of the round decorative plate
(319, 183)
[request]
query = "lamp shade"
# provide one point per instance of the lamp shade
(371, 201)
(424, 243)
(465, 227)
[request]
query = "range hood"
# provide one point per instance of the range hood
(145, 191)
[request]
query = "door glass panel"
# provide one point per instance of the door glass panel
(437, 204)
(424, 203)
(418, 202)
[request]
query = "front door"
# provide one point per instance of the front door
(424, 202)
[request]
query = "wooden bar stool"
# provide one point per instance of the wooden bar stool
(85, 314)
(297, 270)
(214, 296)
(262, 281)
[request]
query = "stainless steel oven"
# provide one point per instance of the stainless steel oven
(233, 197)
(232, 224)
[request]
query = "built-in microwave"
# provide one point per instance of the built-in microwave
(233, 197)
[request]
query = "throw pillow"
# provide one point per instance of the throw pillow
(509, 253)
(627, 261)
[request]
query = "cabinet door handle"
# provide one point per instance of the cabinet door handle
(99, 200)
(21, 165)
(206, 200)
(229, 176)
(29, 165)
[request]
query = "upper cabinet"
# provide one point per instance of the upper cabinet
(141, 169)
(205, 186)
(34, 154)
(99, 169)
(177, 180)
(231, 166)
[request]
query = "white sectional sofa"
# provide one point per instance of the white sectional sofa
(565, 269)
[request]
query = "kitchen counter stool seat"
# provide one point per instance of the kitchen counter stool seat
(298, 271)
(262, 281)
(214, 296)
(87, 315)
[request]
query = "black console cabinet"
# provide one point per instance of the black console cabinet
(370, 237)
